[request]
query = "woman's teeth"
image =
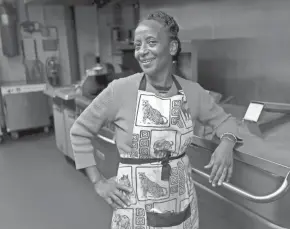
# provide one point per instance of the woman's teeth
(146, 61)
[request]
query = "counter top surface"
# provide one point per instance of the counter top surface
(63, 92)
(82, 101)
(49, 91)
(275, 143)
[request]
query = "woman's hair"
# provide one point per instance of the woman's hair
(169, 24)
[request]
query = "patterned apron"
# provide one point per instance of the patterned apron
(157, 167)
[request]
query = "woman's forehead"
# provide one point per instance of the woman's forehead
(150, 28)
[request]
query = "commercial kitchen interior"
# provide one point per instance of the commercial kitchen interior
(238, 50)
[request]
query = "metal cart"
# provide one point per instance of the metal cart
(25, 107)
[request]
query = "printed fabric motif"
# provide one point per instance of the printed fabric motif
(161, 125)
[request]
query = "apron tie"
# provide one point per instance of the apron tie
(166, 168)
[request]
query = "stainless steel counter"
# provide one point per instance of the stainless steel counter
(275, 144)
(63, 92)
(82, 101)
(261, 172)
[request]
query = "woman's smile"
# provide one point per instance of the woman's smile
(147, 62)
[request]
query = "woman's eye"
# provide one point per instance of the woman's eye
(137, 46)
(152, 42)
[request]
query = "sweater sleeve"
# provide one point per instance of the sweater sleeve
(87, 125)
(213, 115)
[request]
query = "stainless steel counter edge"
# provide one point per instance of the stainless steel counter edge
(49, 91)
(82, 101)
(64, 92)
(247, 158)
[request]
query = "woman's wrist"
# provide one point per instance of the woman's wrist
(99, 180)
(229, 139)
(228, 143)
(94, 175)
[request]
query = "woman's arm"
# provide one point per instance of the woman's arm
(226, 129)
(102, 109)
(214, 115)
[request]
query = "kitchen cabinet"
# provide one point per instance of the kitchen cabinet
(64, 117)
(59, 127)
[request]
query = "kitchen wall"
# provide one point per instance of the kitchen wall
(94, 28)
(106, 23)
(242, 45)
(86, 22)
(61, 17)
(239, 43)
(12, 69)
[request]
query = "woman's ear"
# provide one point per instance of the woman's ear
(173, 47)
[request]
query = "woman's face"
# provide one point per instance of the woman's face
(153, 49)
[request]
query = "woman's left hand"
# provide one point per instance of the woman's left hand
(221, 163)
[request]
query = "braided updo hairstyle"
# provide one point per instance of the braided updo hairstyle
(169, 24)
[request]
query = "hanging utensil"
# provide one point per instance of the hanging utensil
(37, 67)
(27, 73)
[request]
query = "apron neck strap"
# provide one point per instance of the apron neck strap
(143, 83)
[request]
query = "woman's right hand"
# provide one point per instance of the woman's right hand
(113, 192)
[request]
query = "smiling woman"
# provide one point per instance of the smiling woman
(156, 43)
(154, 120)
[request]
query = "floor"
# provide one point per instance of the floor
(40, 190)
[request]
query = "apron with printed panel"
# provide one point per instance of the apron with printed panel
(163, 191)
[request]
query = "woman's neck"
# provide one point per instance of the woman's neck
(161, 79)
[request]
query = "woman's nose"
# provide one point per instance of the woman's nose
(143, 50)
